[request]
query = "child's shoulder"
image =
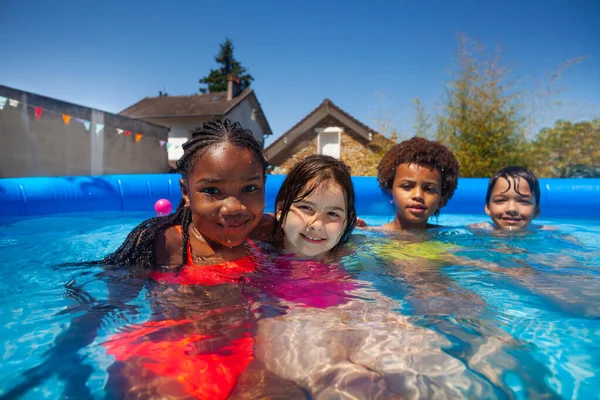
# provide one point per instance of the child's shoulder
(167, 246)
(481, 225)
(264, 229)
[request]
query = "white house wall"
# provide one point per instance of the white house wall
(243, 114)
(179, 133)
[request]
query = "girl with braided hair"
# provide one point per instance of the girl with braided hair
(222, 185)
(200, 339)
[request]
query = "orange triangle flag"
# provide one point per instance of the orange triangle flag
(138, 137)
(67, 119)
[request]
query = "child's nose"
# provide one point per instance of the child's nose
(316, 224)
(231, 206)
(511, 207)
(417, 193)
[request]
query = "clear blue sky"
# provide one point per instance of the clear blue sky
(368, 57)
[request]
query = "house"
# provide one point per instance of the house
(329, 130)
(184, 113)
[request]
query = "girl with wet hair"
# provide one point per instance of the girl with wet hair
(315, 207)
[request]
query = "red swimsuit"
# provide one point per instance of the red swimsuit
(204, 374)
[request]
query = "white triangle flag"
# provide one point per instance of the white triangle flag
(3, 101)
(99, 127)
(13, 103)
(119, 131)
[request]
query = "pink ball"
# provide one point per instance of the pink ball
(163, 207)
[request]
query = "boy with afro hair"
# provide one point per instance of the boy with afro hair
(421, 176)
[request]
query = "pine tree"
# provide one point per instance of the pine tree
(216, 80)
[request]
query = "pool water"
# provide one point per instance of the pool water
(451, 313)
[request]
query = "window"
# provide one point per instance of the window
(328, 141)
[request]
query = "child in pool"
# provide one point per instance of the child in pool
(421, 177)
(196, 347)
(512, 200)
(315, 216)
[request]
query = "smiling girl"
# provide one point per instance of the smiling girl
(195, 346)
(315, 207)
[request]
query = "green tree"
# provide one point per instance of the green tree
(481, 120)
(566, 148)
(423, 124)
(216, 80)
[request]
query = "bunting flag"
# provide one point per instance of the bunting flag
(38, 112)
(168, 145)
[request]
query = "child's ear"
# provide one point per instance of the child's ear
(185, 193)
(487, 210)
(278, 212)
(537, 212)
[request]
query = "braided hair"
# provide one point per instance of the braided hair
(138, 249)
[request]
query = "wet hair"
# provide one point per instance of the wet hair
(425, 153)
(515, 173)
(303, 179)
(138, 248)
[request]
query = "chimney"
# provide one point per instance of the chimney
(233, 87)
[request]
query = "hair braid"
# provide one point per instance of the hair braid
(186, 220)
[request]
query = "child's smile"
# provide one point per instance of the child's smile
(226, 195)
(511, 209)
(315, 224)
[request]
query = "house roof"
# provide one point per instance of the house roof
(325, 109)
(184, 106)
(196, 105)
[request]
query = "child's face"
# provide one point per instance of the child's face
(225, 192)
(510, 210)
(417, 192)
(314, 225)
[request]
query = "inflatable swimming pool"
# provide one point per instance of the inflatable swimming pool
(45, 196)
